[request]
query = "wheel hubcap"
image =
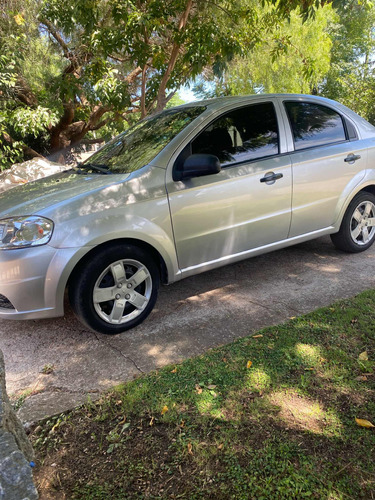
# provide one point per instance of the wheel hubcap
(122, 291)
(362, 224)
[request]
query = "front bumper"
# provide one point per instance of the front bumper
(33, 281)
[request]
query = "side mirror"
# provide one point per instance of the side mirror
(199, 164)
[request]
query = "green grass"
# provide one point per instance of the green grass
(213, 427)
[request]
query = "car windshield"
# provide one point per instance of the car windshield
(138, 145)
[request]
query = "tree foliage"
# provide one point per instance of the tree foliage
(106, 61)
(351, 77)
(70, 69)
(292, 56)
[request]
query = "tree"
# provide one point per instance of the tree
(69, 69)
(351, 78)
(108, 61)
(292, 56)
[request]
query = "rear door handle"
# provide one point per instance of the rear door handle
(352, 158)
(271, 177)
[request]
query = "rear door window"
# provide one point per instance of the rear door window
(314, 125)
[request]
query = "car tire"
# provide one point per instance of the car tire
(116, 289)
(356, 233)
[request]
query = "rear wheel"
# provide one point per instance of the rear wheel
(116, 289)
(357, 231)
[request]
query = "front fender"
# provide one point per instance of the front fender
(77, 236)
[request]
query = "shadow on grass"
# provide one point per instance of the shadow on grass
(268, 416)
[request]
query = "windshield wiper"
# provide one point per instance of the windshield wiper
(81, 167)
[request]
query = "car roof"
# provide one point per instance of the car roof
(220, 101)
(365, 128)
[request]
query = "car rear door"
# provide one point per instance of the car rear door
(217, 218)
(327, 158)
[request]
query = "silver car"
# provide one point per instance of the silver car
(190, 189)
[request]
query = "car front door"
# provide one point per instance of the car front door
(327, 158)
(219, 218)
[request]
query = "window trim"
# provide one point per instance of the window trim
(242, 162)
(343, 120)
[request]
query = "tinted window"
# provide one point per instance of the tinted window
(241, 135)
(138, 145)
(314, 125)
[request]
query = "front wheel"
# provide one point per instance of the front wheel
(357, 231)
(116, 289)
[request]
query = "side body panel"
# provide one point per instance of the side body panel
(220, 215)
(320, 177)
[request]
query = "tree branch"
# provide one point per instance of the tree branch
(56, 35)
(133, 74)
(24, 94)
(68, 54)
(161, 99)
(27, 151)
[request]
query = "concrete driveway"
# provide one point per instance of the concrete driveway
(190, 317)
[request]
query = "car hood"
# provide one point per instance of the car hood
(36, 197)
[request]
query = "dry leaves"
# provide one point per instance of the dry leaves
(19, 19)
(198, 389)
(363, 356)
(364, 423)
(164, 409)
(248, 364)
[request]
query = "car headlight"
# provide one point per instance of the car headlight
(20, 232)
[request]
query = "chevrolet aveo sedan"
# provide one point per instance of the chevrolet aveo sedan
(190, 189)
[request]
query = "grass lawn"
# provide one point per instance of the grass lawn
(270, 416)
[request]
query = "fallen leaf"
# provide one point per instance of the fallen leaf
(125, 426)
(152, 421)
(257, 336)
(363, 356)
(19, 19)
(364, 423)
(220, 447)
(270, 347)
(182, 424)
(248, 365)
(292, 317)
(361, 377)
(190, 449)
(174, 371)
(211, 386)
(164, 410)
(225, 360)
(198, 389)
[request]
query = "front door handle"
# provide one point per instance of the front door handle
(352, 158)
(271, 177)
